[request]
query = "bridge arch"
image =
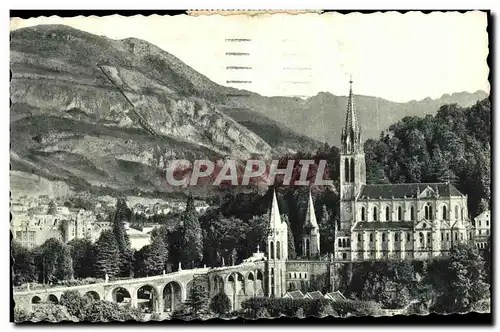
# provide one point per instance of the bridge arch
(147, 298)
(36, 300)
(52, 299)
(121, 296)
(93, 295)
(172, 295)
(217, 284)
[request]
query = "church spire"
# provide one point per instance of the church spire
(274, 216)
(351, 133)
(311, 214)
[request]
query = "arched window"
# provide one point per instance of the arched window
(430, 212)
(400, 213)
(340, 243)
(421, 235)
(412, 213)
(352, 170)
(359, 237)
(444, 212)
(308, 248)
(346, 170)
(343, 243)
(374, 213)
(362, 213)
(426, 208)
(462, 214)
(387, 213)
(456, 211)
(371, 237)
(278, 250)
(271, 250)
(429, 238)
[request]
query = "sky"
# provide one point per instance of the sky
(399, 57)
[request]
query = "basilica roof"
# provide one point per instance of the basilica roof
(379, 225)
(408, 190)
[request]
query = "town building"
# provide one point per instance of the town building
(482, 229)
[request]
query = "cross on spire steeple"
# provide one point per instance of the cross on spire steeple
(351, 133)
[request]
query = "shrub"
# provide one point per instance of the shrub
(21, 315)
(51, 313)
(220, 304)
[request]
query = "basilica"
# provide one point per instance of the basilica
(407, 221)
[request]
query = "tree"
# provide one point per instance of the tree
(107, 255)
(82, 254)
(192, 238)
(23, 267)
(54, 261)
(467, 278)
(220, 304)
(197, 298)
(155, 256)
(292, 254)
(122, 214)
(52, 209)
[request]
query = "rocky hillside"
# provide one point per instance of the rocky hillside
(80, 103)
(106, 114)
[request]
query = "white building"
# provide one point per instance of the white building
(482, 229)
(393, 221)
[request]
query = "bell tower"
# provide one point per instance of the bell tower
(277, 252)
(310, 239)
(352, 163)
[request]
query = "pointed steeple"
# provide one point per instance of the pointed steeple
(274, 216)
(351, 133)
(311, 214)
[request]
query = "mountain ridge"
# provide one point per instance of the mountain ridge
(82, 129)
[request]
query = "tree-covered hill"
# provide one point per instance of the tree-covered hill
(453, 145)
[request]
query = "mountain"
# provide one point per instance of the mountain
(322, 116)
(108, 115)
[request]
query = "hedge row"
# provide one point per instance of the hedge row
(275, 307)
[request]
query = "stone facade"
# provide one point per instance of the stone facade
(393, 221)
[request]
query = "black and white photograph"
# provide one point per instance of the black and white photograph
(250, 166)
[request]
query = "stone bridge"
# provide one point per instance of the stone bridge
(165, 292)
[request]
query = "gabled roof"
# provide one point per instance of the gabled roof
(381, 225)
(295, 295)
(408, 190)
(314, 295)
(335, 296)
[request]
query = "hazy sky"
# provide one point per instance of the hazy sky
(395, 56)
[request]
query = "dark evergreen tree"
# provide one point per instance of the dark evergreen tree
(292, 254)
(52, 208)
(192, 237)
(122, 215)
(82, 254)
(107, 255)
(155, 257)
(197, 298)
(23, 267)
